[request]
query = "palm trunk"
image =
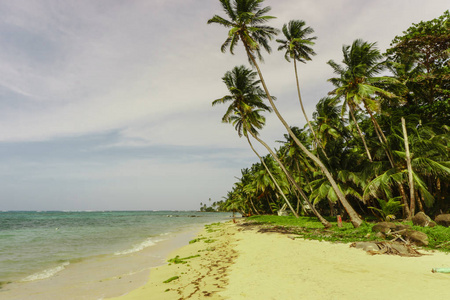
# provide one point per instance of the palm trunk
(384, 143)
(324, 222)
(410, 175)
(271, 176)
(253, 206)
(303, 108)
(359, 131)
(380, 135)
(355, 219)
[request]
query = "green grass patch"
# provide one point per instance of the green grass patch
(171, 279)
(309, 222)
(178, 260)
(311, 228)
(438, 237)
(213, 227)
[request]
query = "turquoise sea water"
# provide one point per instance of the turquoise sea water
(38, 245)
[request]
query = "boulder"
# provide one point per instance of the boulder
(399, 227)
(421, 219)
(384, 227)
(416, 237)
(443, 220)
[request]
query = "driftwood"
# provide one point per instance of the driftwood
(391, 248)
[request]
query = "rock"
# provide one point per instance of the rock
(416, 237)
(384, 227)
(421, 219)
(399, 227)
(443, 220)
(366, 246)
(380, 235)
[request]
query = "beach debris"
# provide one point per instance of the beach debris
(401, 232)
(391, 248)
(443, 219)
(440, 270)
(282, 211)
(339, 221)
(421, 219)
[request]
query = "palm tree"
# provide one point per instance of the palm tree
(245, 96)
(297, 46)
(358, 84)
(246, 17)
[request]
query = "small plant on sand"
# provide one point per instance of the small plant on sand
(171, 279)
(212, 227)
(196, 240)
(209, 241)
(178, 260)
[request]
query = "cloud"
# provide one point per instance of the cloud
(99, 89)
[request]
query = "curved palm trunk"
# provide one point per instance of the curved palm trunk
(359, 131)
(273, 179)
(254, 208)
(355, 219)
(381, 136)
(303, 108)
(324, 222)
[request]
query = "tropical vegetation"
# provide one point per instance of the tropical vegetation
(377, 145)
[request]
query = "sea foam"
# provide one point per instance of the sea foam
(139, 247)
(46, 273)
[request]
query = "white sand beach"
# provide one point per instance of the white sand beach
(241, 263)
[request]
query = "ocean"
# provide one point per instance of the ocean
(35, 246)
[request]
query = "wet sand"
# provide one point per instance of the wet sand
(99, 277)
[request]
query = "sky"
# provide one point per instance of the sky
(106, 104)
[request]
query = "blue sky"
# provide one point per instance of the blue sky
(106, 104)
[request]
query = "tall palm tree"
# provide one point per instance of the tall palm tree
(246, 95)
(246, 19)
(297, 46)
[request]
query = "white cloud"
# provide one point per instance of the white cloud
(149, 70)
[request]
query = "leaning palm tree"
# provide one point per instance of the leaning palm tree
(246, 25)
(245, 97)
(245, 114)
(297, 46)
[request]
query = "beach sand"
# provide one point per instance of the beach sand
(237, 262)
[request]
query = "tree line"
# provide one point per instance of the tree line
(376, 145)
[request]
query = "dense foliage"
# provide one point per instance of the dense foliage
(353, 155)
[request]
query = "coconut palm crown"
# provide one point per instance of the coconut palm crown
(246, 19)
(246, 99)
(297, 44)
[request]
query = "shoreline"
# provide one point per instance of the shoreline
(102, 276)
(230, 261)
(198, 270)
